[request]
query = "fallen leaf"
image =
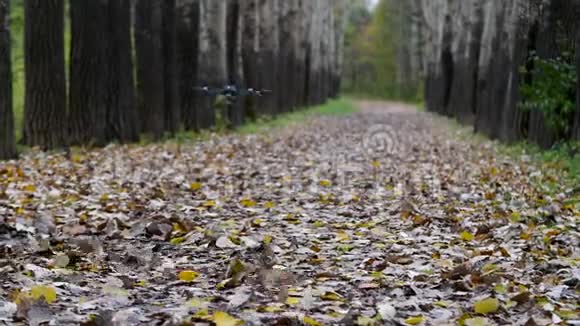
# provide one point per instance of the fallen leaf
(221, 318)
(311, 321)
(42, 292)
(486, 306)
(188, 276)
(415, 320)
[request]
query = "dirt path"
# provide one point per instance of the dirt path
(382, 214)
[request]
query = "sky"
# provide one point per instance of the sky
(372, 3)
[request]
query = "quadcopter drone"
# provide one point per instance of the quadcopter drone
(231, 92)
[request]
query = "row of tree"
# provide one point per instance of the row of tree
(509, 68)
(377, 60)
(134, 65)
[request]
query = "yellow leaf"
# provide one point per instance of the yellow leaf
(140, 283)
(342, 236)
(366, 321)
(188, 276)
(477, 321)
(267, 239)
(485, 306)
(500, 288)
(269, 204)
(466, 236)
(43, 292)
(247, 203)
(176, 241)
(257, 222)
(332, 296)
(319, 224)
(209, 203)
(376, 164)
(414, 320)
(195, 186)
(442, 304)
(30, 188)
(221, 318)
(311, 321)
(325, 183)
(292, 301)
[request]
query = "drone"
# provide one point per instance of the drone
(231, 92)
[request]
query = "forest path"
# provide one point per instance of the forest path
(382, 213)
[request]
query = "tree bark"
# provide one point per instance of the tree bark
(88, 72)
(288, 32)
(213, 52)
(576, 133)
(250, 53)
(123, 120)
(7, 144)
(268, 55)
(234, 58)
(45, 98)
(172, 103)
(150, 66)
(188, 50)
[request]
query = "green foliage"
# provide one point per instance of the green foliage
(372, 49)
(551, 90)
(18, 86)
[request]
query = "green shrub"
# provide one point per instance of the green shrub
(551, 89)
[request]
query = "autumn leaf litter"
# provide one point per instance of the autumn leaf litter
(305, 225)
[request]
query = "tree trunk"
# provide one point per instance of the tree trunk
(213, 64)
(150, 66)
(123, 121)
(45, 98)
(171, 68)
(268, 55)
(234, 58)
(188, 51)
(88, 72)
(288, 33)
(576, 132)
(7, 144)
(301, 65)
(250, 53)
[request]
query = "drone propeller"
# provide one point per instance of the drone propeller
(232, 91)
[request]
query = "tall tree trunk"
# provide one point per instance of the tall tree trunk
(171, 68)
(188, 56)
(123, 121)
(150, 66)
(576, 130)
(213, 53)
(45, 99)
(314, 58)
(288, 33)
(234, 58)
(7, 144)
(88, 72)
(300, 53)
(269, 47)
(250, 52)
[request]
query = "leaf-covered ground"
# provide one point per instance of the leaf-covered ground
(383, 217)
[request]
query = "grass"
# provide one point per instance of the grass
(563, 157)
(339, 107)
